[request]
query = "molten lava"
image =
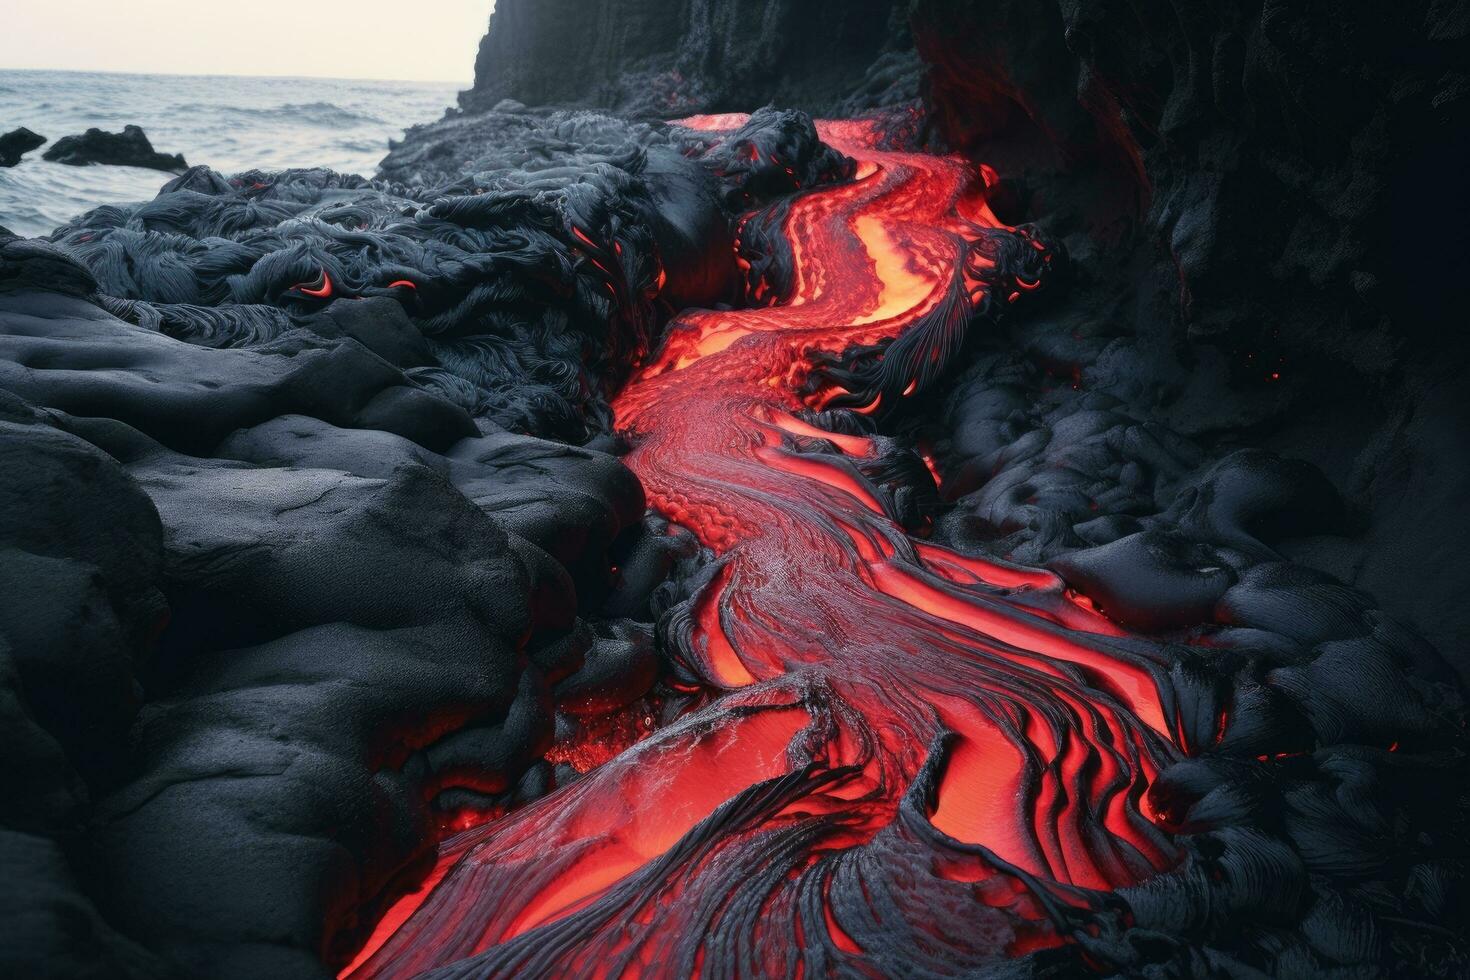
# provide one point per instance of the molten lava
(910, 759)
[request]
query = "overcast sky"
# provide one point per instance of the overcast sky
(429, 39)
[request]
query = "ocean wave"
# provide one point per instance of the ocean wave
(316, 113)
(230, 124)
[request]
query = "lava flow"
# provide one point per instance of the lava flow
(908, 761)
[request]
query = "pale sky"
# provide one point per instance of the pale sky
(428, 39)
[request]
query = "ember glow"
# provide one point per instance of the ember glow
(904, 758)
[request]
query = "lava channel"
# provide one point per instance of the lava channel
(911, 761)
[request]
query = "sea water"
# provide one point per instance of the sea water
(230, 123)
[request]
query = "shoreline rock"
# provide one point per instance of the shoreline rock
(130, 148)
(17, 143)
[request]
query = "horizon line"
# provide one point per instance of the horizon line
(190, 74)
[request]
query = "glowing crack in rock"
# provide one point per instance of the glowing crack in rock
(907, 760)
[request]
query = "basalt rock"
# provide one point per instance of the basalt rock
(535, 254)
(326, 588)
(16, 144)
(1184, 150)
(130, 148)
(80, 561)
(668, 60)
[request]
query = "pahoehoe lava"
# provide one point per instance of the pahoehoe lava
(900, 759)
(964, 536)
(870, 699)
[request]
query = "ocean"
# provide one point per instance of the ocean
(231, 123)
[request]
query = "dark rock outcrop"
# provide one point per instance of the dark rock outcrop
(520, 320)
(343, 607)
(130, 148)
(671, 59)
(80, 557)
(16, 144)
(1238, 185)
(534, 254)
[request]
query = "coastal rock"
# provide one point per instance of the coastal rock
(130, 148)
(80, 556)
(16, 144)
(665, 60)
(325, 586)
(532, 253)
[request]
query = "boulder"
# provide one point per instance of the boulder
(130, 148)
(16, 144)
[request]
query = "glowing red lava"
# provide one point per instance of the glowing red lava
(910, 760)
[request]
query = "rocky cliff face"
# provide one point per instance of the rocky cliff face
(664, 59)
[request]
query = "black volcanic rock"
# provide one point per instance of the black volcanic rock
(16, 144)
(190, 397)
(527, 261)
(338, 601)
(130, 148)
(80, 557)
(516, 262)
(671, 59)
(1239, 187)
